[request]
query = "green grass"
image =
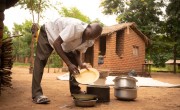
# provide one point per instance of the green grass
(21, 64)
(165, 69)
(155, 69)
(18, 64)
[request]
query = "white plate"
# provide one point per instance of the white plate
(87, 76)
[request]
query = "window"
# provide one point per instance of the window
(135, 50)
(102, 50)
(102, 46)
(119, 42)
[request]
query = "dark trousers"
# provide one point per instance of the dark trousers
(43, 52)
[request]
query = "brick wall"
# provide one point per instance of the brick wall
(126, 61)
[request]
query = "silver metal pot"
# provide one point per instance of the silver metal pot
(125, 82)
(125, 94)
(85, 103)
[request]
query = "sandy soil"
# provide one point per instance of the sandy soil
(149, 98)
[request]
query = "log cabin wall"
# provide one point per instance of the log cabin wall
(2, 8)
(4, 4)
(5, 77)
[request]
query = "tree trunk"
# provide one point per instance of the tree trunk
(32, 44)
(32, 56)
(175, 54)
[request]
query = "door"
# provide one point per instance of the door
(89, 56)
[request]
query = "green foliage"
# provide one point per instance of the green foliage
(36, 7)
(21, 44)
(113, 6)
(145, 13)
(167, 68)
(55, 60)
(156, 69)
(74, 13)
(160, 51)
(18, 64)
(97, 21)
(6, 32)
(173, 25)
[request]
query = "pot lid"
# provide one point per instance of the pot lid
(128, 78)
(98, 86)
(125, 88)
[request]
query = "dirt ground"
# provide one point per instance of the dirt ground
(149, 98)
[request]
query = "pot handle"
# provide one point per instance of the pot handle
(133, 78)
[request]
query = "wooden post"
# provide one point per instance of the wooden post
(32, 56)
(34, 31)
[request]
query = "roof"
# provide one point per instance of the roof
(10, 3)
(108, 30)
(172, 61)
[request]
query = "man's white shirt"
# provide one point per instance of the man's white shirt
(70, 30)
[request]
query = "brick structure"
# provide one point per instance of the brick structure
(119, 49)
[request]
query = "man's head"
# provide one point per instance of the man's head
(93, 31)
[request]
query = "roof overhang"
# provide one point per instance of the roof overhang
(108, 30)
(10, 3)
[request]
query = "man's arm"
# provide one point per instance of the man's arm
(57, 46)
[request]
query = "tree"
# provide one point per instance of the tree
(6, 32)
(35, 7)
(74, 13)
(173, 27)
(145, 13)
(97, 21)
(21, 44)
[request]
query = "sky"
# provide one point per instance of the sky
(89, 8)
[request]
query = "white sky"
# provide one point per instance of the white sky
(89, 8)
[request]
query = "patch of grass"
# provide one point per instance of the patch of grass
(18, 64)
(21, 64)
(155, 69)
(163, 69)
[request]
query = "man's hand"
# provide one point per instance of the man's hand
(73, 69)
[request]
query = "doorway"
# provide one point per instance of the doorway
(89, 56)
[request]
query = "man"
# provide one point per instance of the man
(69, 37)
